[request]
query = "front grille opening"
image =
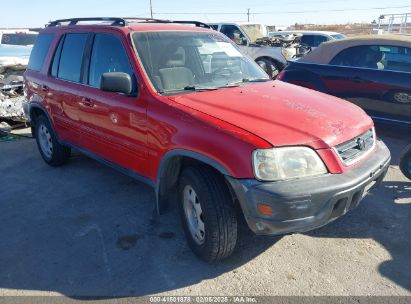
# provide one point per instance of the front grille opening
(352, 150)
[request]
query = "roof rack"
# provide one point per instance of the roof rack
(73, 21)
(115, 21)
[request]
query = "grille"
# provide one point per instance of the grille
(354, 149)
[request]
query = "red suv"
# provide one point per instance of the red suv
(179, 107)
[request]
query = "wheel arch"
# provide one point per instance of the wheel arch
(278, 63)
(35, 110)
(170, 169)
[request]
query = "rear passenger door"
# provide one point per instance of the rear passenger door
(114, 125)
(64, 88)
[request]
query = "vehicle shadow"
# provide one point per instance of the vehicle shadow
(84, 230)
(386, 223)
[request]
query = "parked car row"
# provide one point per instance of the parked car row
(180, 108)
(373, 72)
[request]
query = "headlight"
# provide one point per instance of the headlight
(285, 53)
(286, 163)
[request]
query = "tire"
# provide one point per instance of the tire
(217, 213)
(400, 97)
(405, 162)
(52, 152)
(269, 66)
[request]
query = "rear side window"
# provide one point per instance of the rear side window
(39, 52)
(108, 55)
(313, 40)
(71, 57)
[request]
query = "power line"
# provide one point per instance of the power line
(286, 12)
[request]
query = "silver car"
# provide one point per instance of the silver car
(244, 35)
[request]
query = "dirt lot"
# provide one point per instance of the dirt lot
(84, 229)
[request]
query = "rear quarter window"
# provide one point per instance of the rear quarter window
(39, 52)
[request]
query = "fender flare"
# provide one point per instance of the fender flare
(33, 106)
(162, 169)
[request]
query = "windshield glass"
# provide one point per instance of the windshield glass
(189, 61)
(338, 36)
(19, 39)
(253, 31)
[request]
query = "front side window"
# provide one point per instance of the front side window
(234, 33)
(108, 55)
(182, 61)
(71, 57)
(39, 52)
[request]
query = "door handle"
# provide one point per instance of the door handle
(87, 102)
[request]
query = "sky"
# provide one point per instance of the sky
(281, 13)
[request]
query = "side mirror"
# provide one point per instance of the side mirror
(116, 82)
(244, 41)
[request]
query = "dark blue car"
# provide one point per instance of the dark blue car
(372, 71)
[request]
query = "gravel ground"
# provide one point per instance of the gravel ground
(86, 230)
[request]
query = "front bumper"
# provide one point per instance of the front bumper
(305, 204)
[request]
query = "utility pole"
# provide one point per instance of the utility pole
(248, 14)
(151, 9)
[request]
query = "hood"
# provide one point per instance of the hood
(282, 114)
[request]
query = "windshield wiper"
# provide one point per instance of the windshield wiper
(255, 79)
(199, 89)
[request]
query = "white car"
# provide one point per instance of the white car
(313, 39)
(244, 35)
(18, 37)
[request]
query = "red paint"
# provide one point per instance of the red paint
(226, 125)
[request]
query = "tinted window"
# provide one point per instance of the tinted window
(108, 55)
(234, 33)
(313, 40)
(72, 57)
(214, 26)
(56, 58)
(375, 57)
(19, 39)
(39, 52)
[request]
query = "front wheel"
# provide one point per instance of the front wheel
(405, 162)
(207, 213)
(269, 67)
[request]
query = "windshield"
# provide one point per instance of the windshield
(253, 31)
(19, 39)
(338, 36)
(193, 61)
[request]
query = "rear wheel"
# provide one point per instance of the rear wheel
(269, 66)
(53, 153)
(207, 213)
(400, 97)
(405, 162)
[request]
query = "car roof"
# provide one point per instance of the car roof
(307, 32)
(328, 50)
(131, 27)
